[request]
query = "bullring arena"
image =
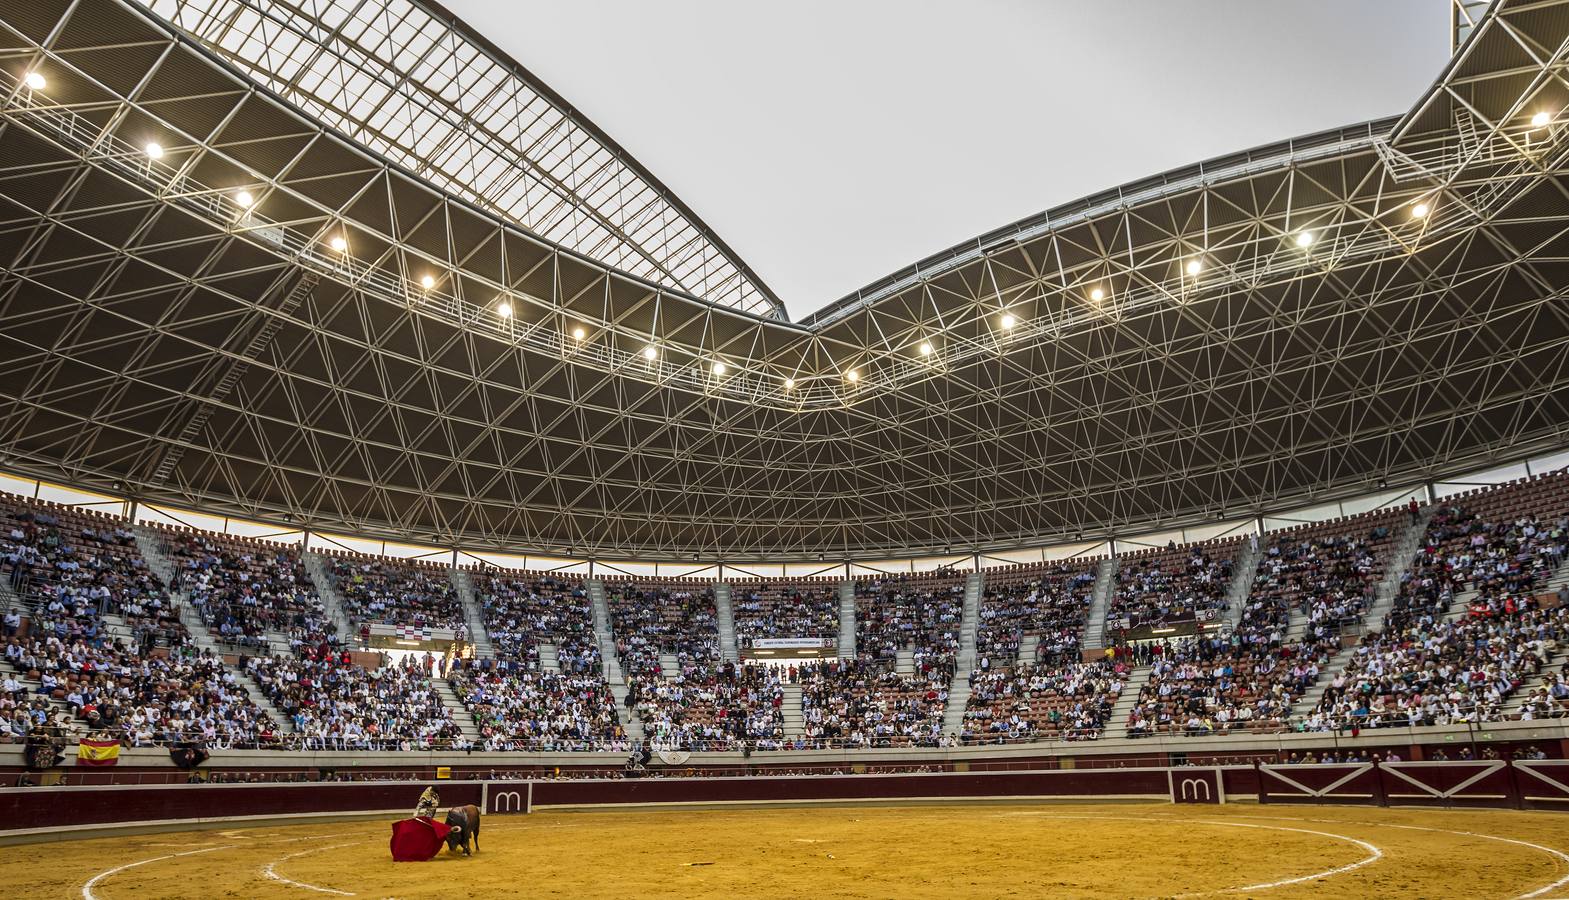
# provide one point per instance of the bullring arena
(934, 851)
(403, 493)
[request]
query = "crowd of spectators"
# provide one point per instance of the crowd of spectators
(868, 703)
(61, 557)
(717, 705)
(523, 709)
(672, 619)
(393, 592)
(920, 615)
(516, 703)
(769, 609)
(523, 612)
(336, 704)
(1444, 671)
(698, 701)
(894, 692)
(244, 589)
(1214, 684)
(1060, 700)
(1436, 663)
(136, 694)
(1328, 573)
(1050, 604)
(1172, 586)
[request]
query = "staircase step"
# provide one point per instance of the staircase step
(1100, 601)
(847, 648)
(1117, 721)
(969, 626)
(725, 614)
(792, 713)
(473, 614)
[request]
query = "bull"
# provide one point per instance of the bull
(464, 821)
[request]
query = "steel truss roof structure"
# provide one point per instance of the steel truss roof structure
(413, 83)
(358, 342)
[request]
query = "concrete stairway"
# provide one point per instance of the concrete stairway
(549, 661)
(1100, 600)
(149, 543)
(473, 613)
(669, 665)
(1117, 724)
(794, 719)
(1555, 663)
(726, 616)
(1243, 570)
(9, 598)
(1309, 699)
(1558, 579)
(969, 626)
(1296, 623)
(1400, 560)
(460, 713)
(630, 722)
(1029, 647)
(846, 648)
(904, 661)
(258, 697)
(320, 571)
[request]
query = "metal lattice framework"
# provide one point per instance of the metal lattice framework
(1272, 327)
(414, 84)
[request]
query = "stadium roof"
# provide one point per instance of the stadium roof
(413, 83)
(215, 290)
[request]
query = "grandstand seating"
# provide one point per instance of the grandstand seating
(1325, 576)
(1469, 635)
(396, 592)
(807, 608)
(1177, 588)
(1044, 693)
(693, 699)
(245, 588)
(1047, 604)
(877, 699)
(1436, 661)
(514, 700)
(919, 614)
(523, 611)
(338, 705)
(1067, 701)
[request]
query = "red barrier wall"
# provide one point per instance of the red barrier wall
(1538, 785)
(947, 785)
(23, 808)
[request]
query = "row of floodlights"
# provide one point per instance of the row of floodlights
(1008, 321)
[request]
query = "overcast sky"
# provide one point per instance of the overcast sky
(831, 143)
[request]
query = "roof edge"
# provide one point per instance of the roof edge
(1372, 128)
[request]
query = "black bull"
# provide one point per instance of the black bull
(465, 825)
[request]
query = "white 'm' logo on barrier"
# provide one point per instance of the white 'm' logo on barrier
(1193, 784)
(507, 801)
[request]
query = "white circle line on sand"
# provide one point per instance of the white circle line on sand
(271, 873)
(1562, 857)
(87, 889)
(1374, 853)
(1477, 834)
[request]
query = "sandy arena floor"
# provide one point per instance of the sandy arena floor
(1155, 850)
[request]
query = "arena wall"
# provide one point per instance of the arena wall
(1487, 783)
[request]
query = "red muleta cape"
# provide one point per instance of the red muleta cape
(417, 840)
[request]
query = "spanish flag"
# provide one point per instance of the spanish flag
(97, 753)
